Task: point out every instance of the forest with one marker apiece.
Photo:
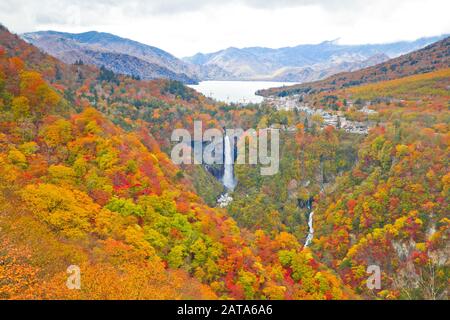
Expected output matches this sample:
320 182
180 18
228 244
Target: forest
86 179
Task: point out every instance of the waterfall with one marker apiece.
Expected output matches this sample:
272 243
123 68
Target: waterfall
228 176
311 230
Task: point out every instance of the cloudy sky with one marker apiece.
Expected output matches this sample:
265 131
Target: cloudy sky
185 27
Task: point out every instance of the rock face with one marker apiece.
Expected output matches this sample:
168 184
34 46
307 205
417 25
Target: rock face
299 64
114 53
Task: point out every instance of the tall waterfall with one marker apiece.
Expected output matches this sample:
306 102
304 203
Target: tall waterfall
228 176
310 237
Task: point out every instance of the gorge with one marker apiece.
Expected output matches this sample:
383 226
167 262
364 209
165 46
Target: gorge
87 177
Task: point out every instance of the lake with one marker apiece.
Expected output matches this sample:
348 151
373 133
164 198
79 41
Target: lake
236 91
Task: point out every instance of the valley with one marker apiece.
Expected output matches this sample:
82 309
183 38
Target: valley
87 179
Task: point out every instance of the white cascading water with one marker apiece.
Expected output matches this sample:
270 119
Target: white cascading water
228 176
310 237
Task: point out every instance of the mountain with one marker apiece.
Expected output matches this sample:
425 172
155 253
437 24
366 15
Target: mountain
84 183
321 71
304 62
117 54
433 57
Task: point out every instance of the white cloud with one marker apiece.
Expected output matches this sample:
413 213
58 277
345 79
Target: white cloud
184 27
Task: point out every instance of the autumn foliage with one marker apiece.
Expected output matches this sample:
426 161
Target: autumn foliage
80 185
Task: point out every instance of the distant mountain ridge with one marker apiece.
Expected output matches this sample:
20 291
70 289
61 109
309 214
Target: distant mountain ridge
433 57
304 62
115 53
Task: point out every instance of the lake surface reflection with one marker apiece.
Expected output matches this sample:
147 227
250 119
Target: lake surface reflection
236 91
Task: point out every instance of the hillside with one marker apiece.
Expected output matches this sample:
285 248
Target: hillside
392 207
321 71
118 54
86 180
379 199
301 63
433 57
78 189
